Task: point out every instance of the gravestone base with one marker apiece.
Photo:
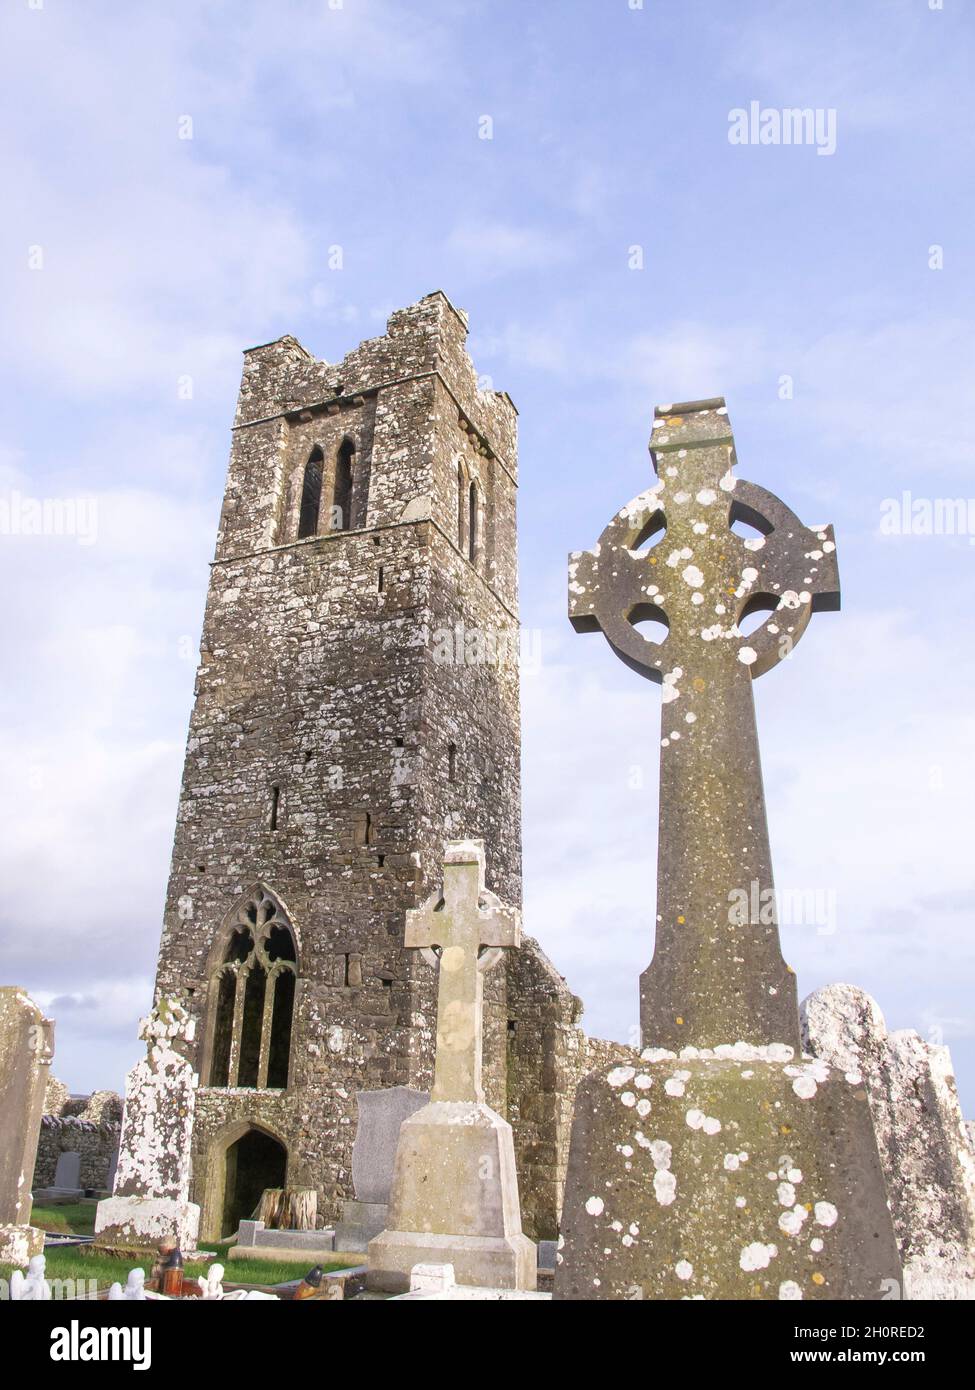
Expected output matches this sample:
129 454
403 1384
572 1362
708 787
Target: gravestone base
19 1244
454 1201
360 1223
147 1221
493 1262
736 1173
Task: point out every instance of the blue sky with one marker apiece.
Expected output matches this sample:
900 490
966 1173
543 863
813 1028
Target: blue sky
161 258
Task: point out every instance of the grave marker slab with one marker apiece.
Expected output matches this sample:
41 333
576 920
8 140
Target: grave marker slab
150 1202
26 1049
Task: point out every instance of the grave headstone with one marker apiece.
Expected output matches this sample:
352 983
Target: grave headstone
67 1174
454 1198
381 1113
26 1049
725 1165
924 1147
150 1202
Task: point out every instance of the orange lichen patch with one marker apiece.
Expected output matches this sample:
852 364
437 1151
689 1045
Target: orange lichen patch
699 683
680 1023
681 918
785 1129
819 1278
674 419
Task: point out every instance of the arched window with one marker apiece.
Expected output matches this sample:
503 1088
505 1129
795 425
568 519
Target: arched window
252 994
461 505
473 539
311 494
341 518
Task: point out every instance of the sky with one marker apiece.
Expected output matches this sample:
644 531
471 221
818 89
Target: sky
183 181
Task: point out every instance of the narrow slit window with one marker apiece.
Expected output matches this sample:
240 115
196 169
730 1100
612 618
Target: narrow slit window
341 519
311 495
380 579
452 762
473 539
275 802
461 504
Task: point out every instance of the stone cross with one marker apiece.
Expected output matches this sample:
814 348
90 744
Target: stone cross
470 927
671 558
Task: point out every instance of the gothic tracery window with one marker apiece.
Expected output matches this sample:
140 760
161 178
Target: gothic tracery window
252 994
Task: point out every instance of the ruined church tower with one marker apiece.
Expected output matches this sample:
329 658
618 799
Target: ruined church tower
356 705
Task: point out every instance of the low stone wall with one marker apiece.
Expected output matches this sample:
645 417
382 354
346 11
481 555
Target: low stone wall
86 1125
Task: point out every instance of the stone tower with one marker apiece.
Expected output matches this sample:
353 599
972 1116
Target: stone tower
356 705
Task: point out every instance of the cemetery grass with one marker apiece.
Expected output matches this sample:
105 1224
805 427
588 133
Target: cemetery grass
71 1218
74 1262
80 1262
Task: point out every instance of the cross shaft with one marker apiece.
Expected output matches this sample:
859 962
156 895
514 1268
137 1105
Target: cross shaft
461 921
714 977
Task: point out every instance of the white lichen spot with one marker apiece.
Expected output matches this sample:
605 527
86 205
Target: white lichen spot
732 1163
757 1255
786 1194
595 1206
815 1245
683 1269
620 1075
825 1214
789 1289
692 575
664 1186
747 656
805 1086
628 1098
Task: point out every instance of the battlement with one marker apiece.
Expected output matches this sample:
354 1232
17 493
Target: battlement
282 379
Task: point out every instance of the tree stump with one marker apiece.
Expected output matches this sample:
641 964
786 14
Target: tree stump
288 1208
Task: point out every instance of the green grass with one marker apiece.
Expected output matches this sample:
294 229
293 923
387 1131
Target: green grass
74 1218
79 1262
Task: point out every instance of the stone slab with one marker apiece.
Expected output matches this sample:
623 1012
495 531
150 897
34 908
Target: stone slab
141 1221
360 1222
924 1146
19 1244
725 1177
26 1049
67 1174
374 1152
256 1234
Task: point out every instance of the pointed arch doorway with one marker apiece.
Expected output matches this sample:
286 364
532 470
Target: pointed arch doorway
243 1163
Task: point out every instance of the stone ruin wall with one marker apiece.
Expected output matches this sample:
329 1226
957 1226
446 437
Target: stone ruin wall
87 1125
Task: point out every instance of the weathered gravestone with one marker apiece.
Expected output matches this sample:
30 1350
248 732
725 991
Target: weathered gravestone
67 1174
381 1113
454 1198
726 1165
26 1049
150 1203
925 1149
